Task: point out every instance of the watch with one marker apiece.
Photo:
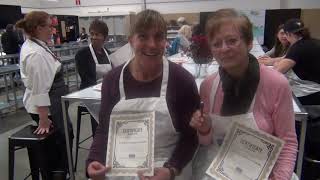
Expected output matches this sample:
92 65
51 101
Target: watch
171 169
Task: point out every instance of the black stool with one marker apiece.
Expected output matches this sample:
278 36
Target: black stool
311 164
82 110
25 138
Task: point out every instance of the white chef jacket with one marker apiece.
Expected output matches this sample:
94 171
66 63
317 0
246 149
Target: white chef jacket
38 68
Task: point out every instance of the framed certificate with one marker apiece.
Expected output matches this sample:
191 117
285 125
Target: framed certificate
131 144
246 154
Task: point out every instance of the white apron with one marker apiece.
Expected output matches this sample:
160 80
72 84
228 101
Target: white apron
220 126
101 69
166 136
301 87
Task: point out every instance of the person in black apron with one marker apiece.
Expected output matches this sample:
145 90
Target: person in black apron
93 62
42 75
302 64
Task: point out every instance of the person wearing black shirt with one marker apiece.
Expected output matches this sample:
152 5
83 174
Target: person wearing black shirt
302 63
10 41
303 59
83 35
93 61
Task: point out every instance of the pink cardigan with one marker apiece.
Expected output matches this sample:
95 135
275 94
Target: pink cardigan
273 112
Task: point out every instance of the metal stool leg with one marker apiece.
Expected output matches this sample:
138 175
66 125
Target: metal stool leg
77 137
34 163
94 125
11 160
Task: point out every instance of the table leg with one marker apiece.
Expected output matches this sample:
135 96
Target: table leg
6 86
66 132
301 146
14 91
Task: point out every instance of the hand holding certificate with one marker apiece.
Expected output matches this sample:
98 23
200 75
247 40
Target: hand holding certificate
246 154
131 144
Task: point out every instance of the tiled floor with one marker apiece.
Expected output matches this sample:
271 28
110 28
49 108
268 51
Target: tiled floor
13 122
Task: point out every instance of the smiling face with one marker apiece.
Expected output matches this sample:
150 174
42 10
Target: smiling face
229 47
148 46
97 38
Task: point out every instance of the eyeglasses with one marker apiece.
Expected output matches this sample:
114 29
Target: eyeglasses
228 42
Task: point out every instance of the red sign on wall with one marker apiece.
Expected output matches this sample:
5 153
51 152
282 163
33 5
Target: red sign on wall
77 2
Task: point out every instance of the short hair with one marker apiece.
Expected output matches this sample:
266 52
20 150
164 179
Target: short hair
32 20
147 19
100 27
9 27
296 26
224 16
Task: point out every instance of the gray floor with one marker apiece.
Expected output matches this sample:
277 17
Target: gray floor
15 121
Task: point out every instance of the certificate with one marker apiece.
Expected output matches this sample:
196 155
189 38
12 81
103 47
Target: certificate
246 154
131 144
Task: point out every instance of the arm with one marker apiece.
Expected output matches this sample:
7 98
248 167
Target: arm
270 53
205 89
284 128
42 75
187 103
284 65
98 148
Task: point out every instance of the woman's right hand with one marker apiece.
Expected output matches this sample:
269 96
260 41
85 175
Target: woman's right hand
97 171
44 126
200 122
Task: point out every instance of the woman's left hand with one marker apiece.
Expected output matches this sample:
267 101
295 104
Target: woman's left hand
161 173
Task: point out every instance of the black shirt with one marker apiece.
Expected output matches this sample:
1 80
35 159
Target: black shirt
10 42
306 54
87 67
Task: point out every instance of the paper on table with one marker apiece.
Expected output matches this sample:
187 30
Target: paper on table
295 107
97 87
122 55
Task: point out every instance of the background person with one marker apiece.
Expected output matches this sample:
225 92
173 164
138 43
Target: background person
93 62
303 58
241 92
10 41
182 41
83 35
42 75
150 80
279 49
301 65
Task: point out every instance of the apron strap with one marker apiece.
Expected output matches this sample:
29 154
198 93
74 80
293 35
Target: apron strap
93 54
46 48
121 86
164 83
165 77
214 89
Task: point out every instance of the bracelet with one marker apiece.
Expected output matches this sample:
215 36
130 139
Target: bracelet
205 133
172 174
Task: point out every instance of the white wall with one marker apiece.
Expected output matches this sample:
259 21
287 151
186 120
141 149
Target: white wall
123 7
9 2
303 4
104 7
